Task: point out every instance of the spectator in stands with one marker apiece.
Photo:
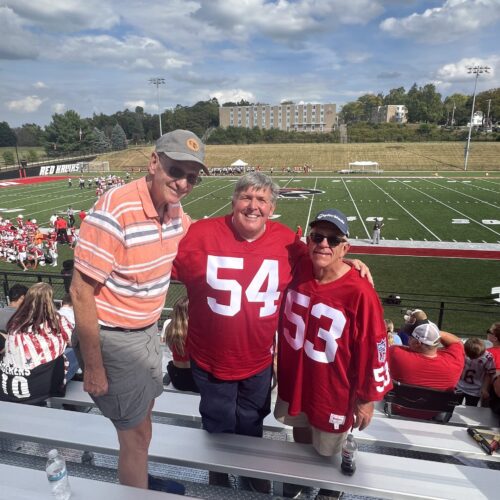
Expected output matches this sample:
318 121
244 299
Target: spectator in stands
424 364
225 263
411 317
34 366
179 368
478 372
118 301
392 337
82 214
493 334
494 396
16 297
332 344
66 309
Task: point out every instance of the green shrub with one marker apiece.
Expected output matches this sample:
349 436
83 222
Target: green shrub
8 157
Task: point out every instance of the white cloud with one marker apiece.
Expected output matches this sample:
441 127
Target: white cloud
285 19
133 104
39 85
65 15
131 52
453 21
59 107
17 43
458 71
232 95
26 105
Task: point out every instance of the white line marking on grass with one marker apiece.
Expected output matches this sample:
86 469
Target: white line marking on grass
356 208
311 204
404 209
454 209
478 200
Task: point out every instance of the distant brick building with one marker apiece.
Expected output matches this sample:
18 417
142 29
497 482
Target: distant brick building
391 113
288 117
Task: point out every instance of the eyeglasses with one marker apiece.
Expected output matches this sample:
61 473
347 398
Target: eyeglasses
333 241
177 173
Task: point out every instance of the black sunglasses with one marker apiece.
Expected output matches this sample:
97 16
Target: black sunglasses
333 241
177 173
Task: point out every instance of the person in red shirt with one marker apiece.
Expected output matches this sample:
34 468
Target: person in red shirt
432 359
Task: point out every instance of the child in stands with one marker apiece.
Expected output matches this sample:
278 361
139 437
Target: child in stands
179 369
479 368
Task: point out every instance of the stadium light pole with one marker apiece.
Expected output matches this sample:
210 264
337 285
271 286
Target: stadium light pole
158 82
476 70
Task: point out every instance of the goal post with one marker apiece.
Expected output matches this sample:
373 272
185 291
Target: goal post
98 166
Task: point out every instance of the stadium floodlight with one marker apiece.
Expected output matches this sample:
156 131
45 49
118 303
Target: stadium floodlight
476 70
158 82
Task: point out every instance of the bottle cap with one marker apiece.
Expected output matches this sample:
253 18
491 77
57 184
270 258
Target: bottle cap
53 453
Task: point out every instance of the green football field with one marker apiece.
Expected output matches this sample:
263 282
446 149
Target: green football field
426 208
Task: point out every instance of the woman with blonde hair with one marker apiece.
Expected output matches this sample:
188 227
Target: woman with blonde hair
179 369
34 366
392 338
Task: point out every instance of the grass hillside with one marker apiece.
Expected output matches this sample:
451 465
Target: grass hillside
333 157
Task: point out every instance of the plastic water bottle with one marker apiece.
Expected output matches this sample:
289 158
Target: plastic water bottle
57 475
349 449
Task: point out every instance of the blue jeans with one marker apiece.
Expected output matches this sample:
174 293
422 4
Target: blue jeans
73 363
234 406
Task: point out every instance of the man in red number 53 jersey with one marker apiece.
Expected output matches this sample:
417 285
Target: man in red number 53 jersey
332 346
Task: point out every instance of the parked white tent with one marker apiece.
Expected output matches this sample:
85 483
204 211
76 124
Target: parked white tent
239 163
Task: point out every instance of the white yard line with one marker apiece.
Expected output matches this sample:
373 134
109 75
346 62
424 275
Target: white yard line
407 211
356 208
462 193
453 209
310 206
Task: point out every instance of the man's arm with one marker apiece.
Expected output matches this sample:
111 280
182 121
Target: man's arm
82 294
448 338
363 269
363 413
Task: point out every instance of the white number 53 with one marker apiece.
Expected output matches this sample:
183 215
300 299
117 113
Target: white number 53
267 271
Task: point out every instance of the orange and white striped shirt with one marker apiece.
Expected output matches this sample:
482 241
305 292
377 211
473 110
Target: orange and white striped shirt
125 248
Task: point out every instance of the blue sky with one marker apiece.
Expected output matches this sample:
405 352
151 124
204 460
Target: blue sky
97 56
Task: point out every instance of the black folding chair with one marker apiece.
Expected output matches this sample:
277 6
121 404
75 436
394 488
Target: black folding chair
423 399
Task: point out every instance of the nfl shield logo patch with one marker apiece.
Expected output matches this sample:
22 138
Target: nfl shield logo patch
382 350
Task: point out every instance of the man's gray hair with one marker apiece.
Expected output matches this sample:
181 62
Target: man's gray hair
257 181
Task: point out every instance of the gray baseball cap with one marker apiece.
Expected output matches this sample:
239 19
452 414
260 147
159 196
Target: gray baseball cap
182 145
335 217
427 333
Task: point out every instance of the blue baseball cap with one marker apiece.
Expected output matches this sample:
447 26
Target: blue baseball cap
335 217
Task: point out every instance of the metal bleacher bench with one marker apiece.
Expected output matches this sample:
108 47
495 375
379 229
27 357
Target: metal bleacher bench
276 460
170 404
21 483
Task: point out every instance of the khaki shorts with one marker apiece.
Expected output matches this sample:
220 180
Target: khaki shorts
325 443
132 361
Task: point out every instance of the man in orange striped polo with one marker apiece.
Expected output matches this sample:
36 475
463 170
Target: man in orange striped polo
123 262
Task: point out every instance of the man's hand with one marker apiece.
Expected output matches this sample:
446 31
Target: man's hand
363 413
363 269
95 381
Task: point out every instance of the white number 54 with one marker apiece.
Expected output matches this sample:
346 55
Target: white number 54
267 271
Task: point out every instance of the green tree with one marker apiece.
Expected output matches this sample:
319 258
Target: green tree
8 157
7 136
396 96
455 106
32 156
100 143
118 138
68 134
29 134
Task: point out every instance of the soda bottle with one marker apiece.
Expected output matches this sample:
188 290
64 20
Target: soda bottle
349 449
57 475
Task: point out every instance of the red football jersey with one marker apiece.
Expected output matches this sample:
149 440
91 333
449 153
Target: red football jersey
235 289
332 348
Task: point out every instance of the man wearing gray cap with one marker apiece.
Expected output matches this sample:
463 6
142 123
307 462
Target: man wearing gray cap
332 344
123 262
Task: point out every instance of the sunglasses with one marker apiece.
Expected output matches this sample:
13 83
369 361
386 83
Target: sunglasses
177 173
333 241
